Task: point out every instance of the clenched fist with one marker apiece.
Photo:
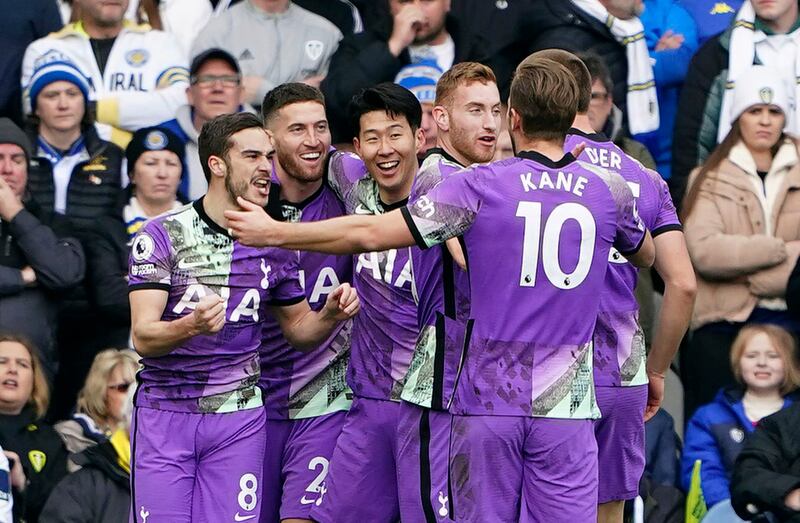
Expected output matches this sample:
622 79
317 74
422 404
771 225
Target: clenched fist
209 315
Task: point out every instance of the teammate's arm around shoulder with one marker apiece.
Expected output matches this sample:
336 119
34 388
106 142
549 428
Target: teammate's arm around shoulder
153 337
306 329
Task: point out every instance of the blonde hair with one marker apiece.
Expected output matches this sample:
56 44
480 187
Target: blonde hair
40 395
463 73
92 397
781 340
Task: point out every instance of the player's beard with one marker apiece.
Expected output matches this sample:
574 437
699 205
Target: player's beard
465 145
295 169
236 189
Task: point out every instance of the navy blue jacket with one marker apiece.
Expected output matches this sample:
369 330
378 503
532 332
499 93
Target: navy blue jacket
715 435
21 24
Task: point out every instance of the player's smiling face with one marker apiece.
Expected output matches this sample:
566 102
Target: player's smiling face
474 121
388 145
302 138
16 377
250 166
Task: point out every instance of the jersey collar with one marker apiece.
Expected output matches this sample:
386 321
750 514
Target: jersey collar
544 160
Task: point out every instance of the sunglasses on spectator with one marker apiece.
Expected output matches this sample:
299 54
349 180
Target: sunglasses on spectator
207 80
120 387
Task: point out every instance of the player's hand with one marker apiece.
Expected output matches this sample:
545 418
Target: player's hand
252 225
209 315
342 303
578 149
655 394
404 29
18 479
10 204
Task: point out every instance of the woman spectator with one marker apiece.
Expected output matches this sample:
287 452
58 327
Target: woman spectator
100 491
101 401
742 224
155 167
764 362
24 436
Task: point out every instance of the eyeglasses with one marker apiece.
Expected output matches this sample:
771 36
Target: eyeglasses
120 387
208 80
599 96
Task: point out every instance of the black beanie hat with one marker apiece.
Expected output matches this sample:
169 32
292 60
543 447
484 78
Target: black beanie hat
11 133
153 139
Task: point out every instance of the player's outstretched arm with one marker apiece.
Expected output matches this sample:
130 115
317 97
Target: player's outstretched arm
153 337
680 287
343 235
645 255
306 329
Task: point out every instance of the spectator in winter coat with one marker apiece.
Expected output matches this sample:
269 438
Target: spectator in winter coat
711 16
38 261
766 475
101 400
766 33
24 436
764 361
100 491
743 232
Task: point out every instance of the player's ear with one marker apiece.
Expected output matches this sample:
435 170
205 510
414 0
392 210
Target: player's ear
217 166
441 118
420 139
514 120
357 145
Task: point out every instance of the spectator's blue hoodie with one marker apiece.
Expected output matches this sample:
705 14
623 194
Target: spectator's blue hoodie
715 435
669 69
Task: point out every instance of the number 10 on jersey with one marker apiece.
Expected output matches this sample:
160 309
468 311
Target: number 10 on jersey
543 240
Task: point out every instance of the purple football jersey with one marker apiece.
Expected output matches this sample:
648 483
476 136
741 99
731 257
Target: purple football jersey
385 329
442 292
537 236
188 255
619 345
308 384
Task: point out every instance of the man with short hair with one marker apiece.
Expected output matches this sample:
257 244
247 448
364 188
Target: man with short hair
421 30
765 32
215 88
197 317
628 382
137 75
522 444
38 259
306 396
466 111
275 41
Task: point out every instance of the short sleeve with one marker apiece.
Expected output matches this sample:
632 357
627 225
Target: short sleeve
667 216
631 231
289 290
447 210
344 171
151 259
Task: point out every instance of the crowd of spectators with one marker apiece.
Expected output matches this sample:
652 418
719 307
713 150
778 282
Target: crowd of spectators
101 105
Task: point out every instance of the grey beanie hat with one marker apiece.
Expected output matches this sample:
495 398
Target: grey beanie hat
10 133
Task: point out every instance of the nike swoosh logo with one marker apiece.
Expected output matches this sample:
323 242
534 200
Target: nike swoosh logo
360 209
304 501
184 265
238 517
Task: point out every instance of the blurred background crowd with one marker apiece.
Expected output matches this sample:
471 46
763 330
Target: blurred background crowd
102 102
